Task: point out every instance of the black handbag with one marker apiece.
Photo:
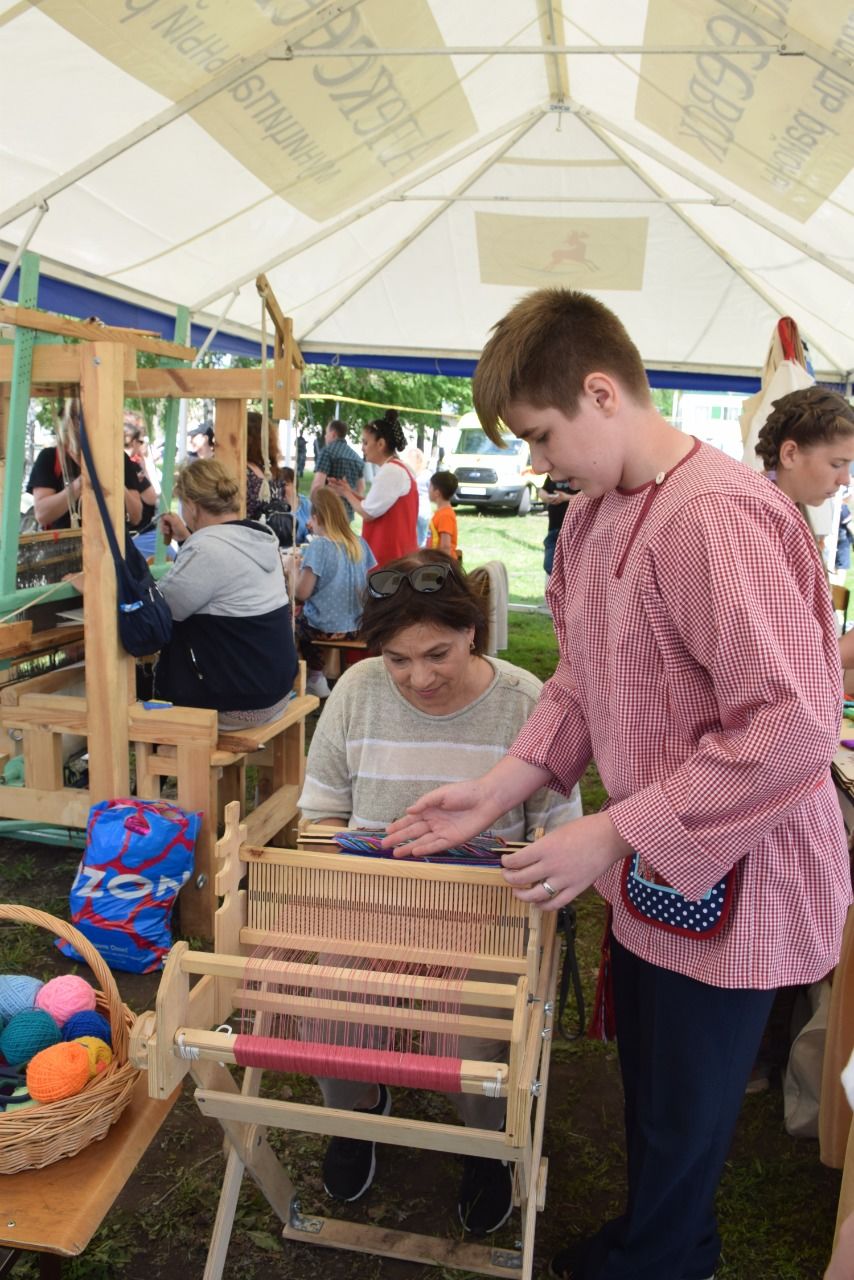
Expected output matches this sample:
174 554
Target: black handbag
277 515
145 623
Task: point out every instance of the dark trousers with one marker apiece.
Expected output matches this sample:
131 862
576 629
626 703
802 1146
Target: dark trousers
686 1051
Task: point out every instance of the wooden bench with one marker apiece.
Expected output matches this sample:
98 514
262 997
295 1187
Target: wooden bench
334 649
55 1211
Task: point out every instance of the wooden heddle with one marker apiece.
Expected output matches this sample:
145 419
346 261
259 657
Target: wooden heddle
347 942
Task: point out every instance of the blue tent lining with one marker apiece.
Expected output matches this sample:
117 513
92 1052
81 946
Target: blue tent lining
75 300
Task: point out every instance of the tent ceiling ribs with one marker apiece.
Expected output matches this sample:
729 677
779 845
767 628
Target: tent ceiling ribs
740 270
378 202
397 249
170 114
536 51
556 71
697 180
791 41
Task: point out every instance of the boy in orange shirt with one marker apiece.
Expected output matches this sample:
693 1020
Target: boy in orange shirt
443 525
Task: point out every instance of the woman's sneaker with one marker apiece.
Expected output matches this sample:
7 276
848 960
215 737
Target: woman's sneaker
350 1163
485 1199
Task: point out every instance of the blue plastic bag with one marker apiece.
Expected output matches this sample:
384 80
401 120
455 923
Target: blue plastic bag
138 855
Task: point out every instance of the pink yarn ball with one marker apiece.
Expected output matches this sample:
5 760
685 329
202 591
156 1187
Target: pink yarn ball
64 996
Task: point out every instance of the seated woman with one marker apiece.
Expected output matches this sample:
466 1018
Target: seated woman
255 467
55 481
431 707
331 583
232 644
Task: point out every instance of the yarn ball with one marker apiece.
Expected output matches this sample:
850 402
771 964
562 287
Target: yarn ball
22 1093
27 1034
88 1023
63 997
58 1072
100 1054
17 992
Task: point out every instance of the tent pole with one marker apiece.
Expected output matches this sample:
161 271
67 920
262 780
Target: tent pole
16 428
170 436
21 249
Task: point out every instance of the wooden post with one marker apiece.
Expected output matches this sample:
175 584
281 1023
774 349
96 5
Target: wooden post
109 670
231 442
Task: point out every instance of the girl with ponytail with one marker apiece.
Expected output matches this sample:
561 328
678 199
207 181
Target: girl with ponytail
390 511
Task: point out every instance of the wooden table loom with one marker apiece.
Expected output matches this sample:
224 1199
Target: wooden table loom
397 916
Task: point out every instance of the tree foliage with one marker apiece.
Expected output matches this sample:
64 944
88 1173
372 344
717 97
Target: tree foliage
405 391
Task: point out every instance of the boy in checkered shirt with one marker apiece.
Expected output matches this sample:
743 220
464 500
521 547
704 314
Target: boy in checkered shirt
699 669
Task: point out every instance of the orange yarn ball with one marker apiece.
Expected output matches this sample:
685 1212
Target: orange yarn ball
58 1072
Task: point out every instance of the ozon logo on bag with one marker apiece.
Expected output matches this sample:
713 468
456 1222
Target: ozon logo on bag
126 886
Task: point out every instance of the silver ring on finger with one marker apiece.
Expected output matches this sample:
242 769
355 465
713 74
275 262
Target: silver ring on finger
550 889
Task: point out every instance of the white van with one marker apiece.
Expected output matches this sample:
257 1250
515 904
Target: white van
489 476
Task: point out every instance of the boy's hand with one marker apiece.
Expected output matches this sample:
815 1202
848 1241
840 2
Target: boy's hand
557 868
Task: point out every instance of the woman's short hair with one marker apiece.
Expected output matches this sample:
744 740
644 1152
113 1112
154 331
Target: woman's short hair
388 430
210 485
254 454
455 605
811 416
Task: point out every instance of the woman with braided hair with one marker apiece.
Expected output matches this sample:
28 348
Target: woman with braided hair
390 511
807 447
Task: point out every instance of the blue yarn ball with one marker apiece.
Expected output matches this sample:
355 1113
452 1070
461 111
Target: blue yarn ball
88 1023
27 1034
17 992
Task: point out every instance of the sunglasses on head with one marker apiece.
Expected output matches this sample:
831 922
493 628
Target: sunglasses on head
426 579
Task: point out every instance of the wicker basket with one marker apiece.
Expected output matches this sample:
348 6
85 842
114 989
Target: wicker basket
36 1136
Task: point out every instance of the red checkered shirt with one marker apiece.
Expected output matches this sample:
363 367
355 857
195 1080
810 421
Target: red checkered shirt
702 675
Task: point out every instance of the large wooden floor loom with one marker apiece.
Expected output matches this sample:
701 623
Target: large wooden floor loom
378 951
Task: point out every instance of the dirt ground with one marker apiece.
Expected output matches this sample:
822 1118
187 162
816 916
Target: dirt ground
777 1201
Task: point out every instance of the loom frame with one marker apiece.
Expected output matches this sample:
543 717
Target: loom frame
184 1010
179 742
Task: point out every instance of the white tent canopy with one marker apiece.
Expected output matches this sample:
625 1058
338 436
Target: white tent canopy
403 170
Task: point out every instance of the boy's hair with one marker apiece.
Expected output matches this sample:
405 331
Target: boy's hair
446 483
544 348
810 416
339 427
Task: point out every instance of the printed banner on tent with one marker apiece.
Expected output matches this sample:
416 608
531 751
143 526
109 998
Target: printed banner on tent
591 253
785 138
324 132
